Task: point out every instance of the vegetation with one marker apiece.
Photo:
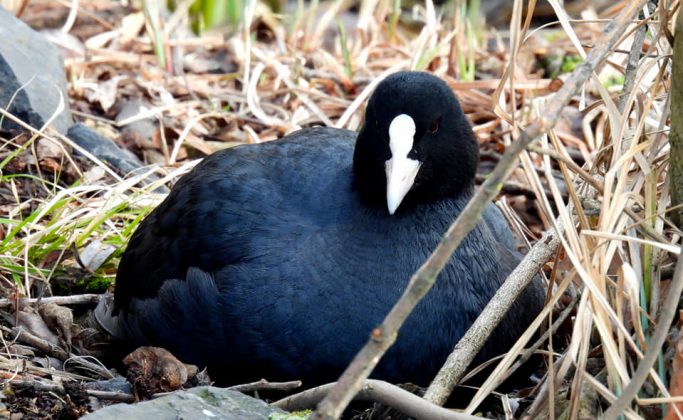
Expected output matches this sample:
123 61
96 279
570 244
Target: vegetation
602 176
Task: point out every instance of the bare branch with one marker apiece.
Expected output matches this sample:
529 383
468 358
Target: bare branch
377 391
469 345
87 299
59 389
265 385
23 336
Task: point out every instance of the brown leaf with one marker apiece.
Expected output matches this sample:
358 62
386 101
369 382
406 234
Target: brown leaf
59 319
35 324
50 165
52 258
48 149
154 369
104 93
198 143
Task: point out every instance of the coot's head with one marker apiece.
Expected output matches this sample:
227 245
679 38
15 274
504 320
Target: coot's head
415 144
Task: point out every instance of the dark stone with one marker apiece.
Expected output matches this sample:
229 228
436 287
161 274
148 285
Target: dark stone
28 59
124 161
103 148
117 384
204 402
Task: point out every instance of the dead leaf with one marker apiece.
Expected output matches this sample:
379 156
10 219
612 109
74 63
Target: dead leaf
198 143
35 324
154 369
69 44
154 157
93 175
95 254
52 258
50 165
132 25
103 93
59 319
46 148
20 350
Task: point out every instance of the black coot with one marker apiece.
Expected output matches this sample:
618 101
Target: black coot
277 260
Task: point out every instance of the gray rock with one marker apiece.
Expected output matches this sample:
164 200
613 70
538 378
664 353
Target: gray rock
27 58
103 148
124 161
204 402
117 384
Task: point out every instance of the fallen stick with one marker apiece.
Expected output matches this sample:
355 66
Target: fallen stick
265 385
50 349
377 391
88 299
59 389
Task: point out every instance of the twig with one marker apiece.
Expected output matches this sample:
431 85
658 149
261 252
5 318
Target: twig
475 337
533 349
27 338
103 395
111 395
265 385
654 347
632 64
421 282
534 411
88 299
377 391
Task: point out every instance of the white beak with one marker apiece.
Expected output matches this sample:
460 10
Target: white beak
400 169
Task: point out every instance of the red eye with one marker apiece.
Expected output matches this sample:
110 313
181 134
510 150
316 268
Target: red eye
434 127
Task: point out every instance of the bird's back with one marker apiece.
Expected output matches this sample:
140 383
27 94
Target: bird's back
231 205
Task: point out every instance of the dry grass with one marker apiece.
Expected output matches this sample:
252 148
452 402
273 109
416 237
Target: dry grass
618 247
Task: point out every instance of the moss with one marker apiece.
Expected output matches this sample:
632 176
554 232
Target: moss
553 36
208 396
295 415
569 63
554 65
613 81
96 284
70 281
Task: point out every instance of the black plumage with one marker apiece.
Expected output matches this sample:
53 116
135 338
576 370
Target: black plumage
276 260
